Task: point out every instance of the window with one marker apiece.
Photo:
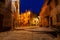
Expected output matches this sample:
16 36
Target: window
58 17
3 1
56 2
50 8
49 1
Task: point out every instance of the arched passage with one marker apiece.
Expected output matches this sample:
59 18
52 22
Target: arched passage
1 21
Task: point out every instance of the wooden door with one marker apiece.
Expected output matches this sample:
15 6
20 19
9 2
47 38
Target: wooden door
1 21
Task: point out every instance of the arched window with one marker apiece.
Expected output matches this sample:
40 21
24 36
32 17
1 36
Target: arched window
56 2
58 17
49 2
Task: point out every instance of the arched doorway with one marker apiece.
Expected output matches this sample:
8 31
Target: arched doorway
1 22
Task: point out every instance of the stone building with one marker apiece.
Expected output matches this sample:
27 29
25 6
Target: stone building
15 12
55 14
24 18
28 18
44 12
50 13
5 14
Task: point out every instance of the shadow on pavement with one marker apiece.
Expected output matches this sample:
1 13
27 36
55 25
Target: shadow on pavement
4 29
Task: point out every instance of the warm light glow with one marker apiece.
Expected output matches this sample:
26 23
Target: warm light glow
35 21
39 18
28 12
15 6
24 17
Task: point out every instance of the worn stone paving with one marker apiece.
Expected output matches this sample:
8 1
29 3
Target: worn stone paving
24 35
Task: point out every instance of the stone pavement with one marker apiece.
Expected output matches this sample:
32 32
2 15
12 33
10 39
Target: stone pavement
25 35
26 27
34 28
39 29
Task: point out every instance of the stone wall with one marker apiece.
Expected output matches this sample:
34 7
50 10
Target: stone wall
5 10
48 13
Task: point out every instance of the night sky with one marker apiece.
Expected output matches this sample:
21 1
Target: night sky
33 5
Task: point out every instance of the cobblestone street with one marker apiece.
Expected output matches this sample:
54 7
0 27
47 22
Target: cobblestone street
29 19
24 35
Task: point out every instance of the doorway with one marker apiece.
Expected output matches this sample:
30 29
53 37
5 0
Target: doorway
1 22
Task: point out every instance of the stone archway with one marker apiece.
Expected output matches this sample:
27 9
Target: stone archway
1 21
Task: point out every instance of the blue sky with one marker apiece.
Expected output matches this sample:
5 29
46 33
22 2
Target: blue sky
33 5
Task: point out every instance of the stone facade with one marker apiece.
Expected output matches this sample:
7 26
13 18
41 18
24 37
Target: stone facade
15 12
43 14
24 18
5 11
49 12
55 15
